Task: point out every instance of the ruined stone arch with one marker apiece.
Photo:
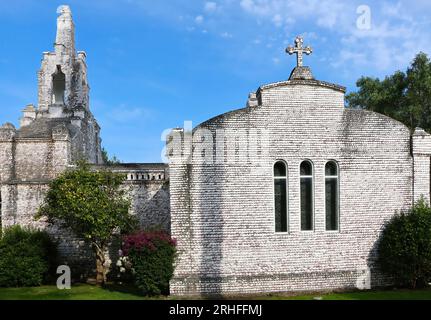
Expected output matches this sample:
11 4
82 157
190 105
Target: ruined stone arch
58 86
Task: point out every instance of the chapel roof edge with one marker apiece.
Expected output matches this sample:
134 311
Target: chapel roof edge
310 82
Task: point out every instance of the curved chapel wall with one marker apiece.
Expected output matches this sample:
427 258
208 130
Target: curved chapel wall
227 216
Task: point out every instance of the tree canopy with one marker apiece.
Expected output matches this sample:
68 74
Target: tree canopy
404 250
93 205
109 161
403 96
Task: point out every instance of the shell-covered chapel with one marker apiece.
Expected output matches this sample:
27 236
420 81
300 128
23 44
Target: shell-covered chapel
289 193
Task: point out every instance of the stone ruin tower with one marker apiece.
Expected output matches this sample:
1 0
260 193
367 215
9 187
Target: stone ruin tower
54 134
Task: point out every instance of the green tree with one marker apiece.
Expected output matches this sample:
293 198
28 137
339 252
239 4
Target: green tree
93 205
404 250
404 96
110 161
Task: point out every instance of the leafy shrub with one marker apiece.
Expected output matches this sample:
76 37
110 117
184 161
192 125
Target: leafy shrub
91 204
27 257
152 256
405 247
122 272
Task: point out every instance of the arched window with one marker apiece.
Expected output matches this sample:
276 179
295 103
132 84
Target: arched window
307 201
280 196
58 86
332 196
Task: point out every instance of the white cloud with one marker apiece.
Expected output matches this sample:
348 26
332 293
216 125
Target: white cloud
278 21
399 27
248 5
289 21
199 19
325 12
226 35
346 56
384 46
125 113
260 7
310 35
328 20
210 6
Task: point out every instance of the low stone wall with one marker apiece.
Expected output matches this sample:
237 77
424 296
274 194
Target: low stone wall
146 185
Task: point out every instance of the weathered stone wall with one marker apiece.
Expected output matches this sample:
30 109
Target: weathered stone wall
150 202
28 164
73 110
86 144
57 133
34 160
147 186
7 152
422 165
53 135
223 214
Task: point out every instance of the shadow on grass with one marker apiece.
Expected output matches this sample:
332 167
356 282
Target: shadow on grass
123 288
130 289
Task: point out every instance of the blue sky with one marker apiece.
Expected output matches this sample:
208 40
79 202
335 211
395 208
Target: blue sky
154 64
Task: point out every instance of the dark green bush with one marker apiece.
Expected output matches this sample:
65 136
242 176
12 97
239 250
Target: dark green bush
27 257
152 257
405 247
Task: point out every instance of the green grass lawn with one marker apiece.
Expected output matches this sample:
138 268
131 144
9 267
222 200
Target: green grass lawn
78 292
400 294
89 292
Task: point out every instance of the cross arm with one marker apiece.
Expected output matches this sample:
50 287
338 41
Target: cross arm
291 50
307 50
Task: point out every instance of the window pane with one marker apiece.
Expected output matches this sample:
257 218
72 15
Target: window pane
306 204
306 168
280 169
331 169
280 190
331 204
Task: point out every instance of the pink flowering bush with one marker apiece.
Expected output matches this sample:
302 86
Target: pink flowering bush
146 240
151 256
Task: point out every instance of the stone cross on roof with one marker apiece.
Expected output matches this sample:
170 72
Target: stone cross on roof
299 50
